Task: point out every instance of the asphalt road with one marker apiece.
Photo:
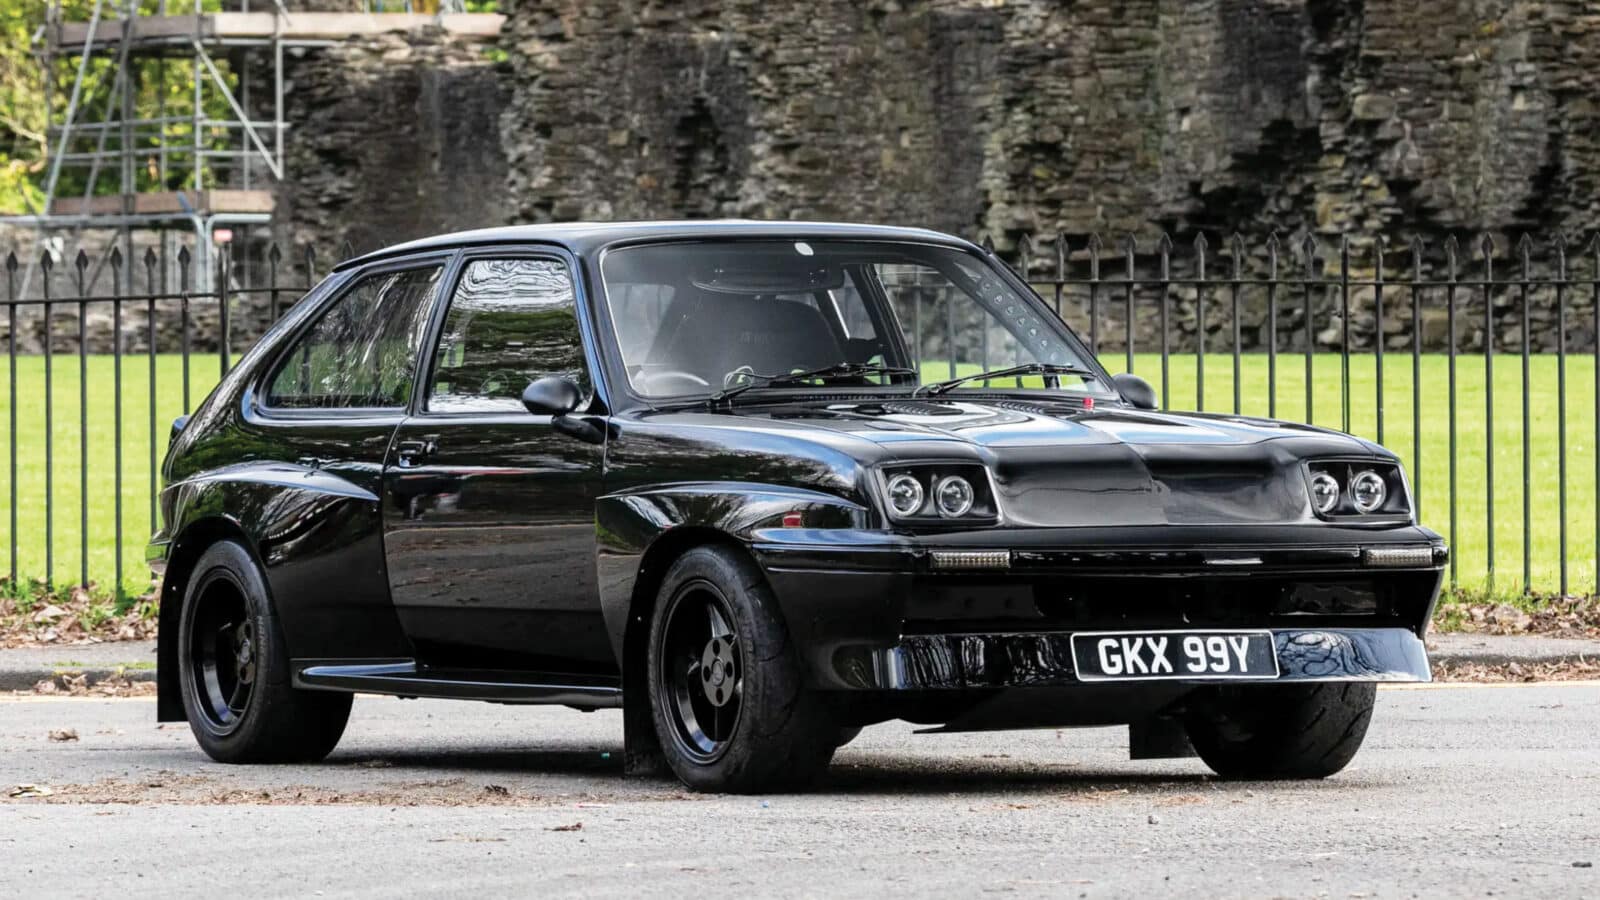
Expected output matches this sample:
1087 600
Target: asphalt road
1460 791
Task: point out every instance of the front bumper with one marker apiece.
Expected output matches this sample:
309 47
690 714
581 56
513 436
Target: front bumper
983 661
873 611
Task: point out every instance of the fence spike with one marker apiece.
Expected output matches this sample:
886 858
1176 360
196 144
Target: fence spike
1130 244
1061 257
11 261
1237 248
1486 245
116 257
1525 250
1094 244
1024 256
987 244
1308 249
274 254
1378 244
81 261
1561 255
1164 243
46 261
183 256
311 262
1451 248
149 257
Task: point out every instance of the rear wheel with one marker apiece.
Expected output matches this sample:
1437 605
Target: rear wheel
234 671
1281 731
727 693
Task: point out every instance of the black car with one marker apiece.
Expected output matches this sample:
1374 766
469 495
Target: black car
760 485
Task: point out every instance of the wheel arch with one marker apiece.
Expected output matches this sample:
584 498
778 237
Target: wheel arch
187 548
642 750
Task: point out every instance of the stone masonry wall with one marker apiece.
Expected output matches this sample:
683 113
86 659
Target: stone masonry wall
1327 117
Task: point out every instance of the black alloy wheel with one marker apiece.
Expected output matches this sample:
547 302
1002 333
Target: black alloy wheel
222 648
234 672
727 686
702 671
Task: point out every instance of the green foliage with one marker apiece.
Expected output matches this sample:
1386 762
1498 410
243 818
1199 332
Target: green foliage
27 108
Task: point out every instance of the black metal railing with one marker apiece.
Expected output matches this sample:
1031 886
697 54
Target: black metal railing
1399 346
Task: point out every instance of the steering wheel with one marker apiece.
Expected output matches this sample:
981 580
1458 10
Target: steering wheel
667 382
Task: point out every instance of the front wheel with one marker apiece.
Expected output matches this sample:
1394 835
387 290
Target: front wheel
1280 731
727 693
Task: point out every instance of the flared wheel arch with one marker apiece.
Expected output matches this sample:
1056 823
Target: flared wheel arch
187 548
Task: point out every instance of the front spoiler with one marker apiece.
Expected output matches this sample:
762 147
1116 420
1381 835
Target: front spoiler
977 661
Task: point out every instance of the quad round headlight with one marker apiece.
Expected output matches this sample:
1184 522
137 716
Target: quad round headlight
905 495
1368 491
1324 492
953 495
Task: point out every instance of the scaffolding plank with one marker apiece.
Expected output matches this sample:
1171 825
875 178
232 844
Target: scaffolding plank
174 203
257 26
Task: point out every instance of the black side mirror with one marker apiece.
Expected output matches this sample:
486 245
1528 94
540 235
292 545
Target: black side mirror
551 395
1135 390
556 397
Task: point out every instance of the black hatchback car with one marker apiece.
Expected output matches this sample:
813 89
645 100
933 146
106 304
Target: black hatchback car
760 485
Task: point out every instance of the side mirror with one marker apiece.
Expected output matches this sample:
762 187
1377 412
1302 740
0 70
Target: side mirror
551 395
1135 390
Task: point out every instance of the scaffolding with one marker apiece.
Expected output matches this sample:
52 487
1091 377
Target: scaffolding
207 163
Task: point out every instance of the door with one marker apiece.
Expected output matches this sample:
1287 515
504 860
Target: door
489 510
331 403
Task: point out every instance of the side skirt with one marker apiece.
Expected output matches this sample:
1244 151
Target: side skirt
405 678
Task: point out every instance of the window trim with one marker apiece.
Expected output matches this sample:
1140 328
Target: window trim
260 389
582 311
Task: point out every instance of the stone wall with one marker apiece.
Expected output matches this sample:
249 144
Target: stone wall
1382 117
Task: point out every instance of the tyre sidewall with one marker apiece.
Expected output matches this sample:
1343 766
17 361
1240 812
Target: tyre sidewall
772 692
229 561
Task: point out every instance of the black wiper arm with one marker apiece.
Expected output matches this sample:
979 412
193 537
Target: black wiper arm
1024 369
756 379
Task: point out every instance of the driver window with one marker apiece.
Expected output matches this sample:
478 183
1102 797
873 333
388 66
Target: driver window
510 322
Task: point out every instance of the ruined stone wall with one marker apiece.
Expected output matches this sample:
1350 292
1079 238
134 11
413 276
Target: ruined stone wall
1328 117
394 137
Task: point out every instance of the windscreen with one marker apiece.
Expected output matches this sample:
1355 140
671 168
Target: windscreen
693 318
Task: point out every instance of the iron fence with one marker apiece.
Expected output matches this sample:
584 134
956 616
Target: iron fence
1399 346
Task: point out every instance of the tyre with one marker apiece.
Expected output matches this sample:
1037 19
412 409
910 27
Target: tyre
234 670
727 692
1281 731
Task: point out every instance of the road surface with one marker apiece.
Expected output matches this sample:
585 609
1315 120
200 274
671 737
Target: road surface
1460 791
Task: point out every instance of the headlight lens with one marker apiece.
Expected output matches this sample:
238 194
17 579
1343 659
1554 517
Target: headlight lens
1324 492
953 496
905 495
1367 491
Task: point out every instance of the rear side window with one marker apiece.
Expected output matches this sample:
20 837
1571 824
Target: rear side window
511 321
362 352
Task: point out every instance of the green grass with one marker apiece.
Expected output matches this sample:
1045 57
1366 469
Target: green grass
31 440
1470 539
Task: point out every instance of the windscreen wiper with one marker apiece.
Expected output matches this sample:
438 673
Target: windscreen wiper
837 370
1024 369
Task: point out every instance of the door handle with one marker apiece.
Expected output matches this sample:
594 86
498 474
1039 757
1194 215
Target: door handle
409 452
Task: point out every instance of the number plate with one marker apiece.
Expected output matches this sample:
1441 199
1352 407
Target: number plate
1148 655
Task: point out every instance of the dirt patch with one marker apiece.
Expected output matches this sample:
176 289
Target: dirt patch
200 790
1566 670
32 616
79 685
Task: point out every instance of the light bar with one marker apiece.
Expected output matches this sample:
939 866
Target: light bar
971 559
1399 557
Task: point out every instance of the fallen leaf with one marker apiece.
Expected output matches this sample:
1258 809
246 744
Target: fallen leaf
31 790
60 735
575 826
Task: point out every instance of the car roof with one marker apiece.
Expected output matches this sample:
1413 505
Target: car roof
584 238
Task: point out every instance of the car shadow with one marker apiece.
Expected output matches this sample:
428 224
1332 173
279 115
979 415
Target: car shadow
861 773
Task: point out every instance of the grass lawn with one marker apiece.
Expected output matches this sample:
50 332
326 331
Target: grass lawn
1431 478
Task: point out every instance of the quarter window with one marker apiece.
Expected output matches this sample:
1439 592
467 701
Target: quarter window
362 352
511 321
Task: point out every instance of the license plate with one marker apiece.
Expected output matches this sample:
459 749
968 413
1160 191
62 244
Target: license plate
1146 655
